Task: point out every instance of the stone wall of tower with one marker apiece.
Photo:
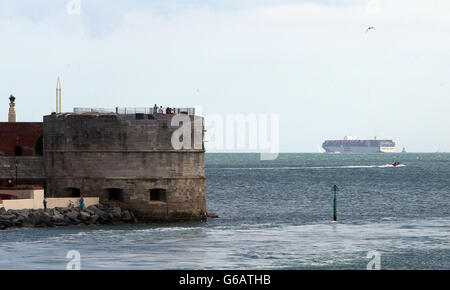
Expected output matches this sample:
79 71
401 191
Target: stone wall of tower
122 160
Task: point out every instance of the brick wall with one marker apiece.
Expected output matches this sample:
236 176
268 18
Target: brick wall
23 135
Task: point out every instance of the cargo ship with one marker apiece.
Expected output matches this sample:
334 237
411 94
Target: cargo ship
351 144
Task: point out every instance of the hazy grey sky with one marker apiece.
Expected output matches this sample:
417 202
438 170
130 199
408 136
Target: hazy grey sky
310 61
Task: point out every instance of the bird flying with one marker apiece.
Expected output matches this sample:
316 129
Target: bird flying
370 27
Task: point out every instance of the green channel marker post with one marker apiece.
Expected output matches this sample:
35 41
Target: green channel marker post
335 189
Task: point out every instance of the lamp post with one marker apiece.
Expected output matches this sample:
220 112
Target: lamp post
16 163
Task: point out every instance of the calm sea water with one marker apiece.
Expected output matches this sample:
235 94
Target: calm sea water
275 215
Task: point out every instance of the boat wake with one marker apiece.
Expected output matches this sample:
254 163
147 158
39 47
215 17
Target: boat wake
390 165
309 167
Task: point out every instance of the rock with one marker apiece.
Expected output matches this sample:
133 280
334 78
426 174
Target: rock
44 218
67 220
94 219
84 216
212 215
7 217
19 217
75 209
56 215
117 210
92 207
22 212
98 211
101 206
104 218
59 221
73 216
133 217
6 221
33 218
126 216
62 216
19 221
61 210
88 211
116 217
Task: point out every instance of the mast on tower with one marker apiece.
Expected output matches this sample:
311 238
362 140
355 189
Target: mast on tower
58 96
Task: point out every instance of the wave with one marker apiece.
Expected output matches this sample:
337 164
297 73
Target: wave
307 167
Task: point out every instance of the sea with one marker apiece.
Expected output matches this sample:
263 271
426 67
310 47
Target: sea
274 214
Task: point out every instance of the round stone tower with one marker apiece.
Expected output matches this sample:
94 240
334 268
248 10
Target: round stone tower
128 161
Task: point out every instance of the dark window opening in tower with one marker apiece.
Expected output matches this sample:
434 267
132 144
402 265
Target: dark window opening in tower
18 151
158 194
73 192
114 193
39 147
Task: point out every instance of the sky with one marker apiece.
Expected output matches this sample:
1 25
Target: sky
311 62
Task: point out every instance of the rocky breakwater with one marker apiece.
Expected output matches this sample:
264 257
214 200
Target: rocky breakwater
65 216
